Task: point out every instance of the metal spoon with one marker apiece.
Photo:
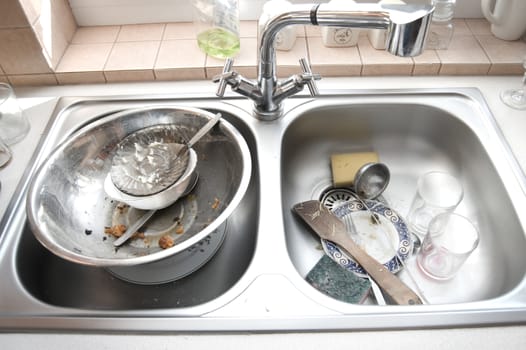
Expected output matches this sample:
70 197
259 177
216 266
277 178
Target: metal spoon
130 231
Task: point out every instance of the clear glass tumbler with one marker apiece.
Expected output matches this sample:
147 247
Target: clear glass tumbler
437 192
450 240
14 125
516 98
5 154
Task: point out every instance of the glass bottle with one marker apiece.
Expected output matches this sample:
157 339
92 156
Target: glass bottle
217 24
441 30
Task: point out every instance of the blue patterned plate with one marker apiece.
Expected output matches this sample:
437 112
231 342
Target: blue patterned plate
378 239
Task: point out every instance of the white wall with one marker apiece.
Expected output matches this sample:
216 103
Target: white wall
103 12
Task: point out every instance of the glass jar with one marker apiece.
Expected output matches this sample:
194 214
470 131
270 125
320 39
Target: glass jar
441 29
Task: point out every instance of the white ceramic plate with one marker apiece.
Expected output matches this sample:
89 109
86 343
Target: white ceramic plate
378 240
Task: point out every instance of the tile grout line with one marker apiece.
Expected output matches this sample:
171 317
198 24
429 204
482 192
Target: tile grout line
109 55
491 63
361 60
158 51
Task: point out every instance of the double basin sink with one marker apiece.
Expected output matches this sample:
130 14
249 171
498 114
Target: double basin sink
256 280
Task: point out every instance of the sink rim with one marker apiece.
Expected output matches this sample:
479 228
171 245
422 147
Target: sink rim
225 313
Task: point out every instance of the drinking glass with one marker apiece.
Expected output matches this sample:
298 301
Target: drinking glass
516 98
14 125
437 192
449 241
5 154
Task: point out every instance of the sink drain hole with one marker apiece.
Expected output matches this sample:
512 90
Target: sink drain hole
334 197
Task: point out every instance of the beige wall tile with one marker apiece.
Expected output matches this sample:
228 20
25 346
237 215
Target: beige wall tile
427 63
464 56
180 74
388 69
180 54
3 79
464 69
312 31
129 75
329 61
54 29
248 54
12 15
479 26
63 19
32 79
84 58
180 60
53 42
214 66
288 61
505 69
245 63
301 31
460 27
141 32
21 52
81 78
380 62
248 29
247 72
92 35
32 9
133 56
505 56
184 30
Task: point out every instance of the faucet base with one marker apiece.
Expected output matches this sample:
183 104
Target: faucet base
267 116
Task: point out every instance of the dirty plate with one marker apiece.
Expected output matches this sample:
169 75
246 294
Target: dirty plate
378 239
176 266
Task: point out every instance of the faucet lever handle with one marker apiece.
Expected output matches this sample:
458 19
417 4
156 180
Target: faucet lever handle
309 77
222 78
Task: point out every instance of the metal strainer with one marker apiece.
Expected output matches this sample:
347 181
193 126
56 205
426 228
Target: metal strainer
152 159
146 161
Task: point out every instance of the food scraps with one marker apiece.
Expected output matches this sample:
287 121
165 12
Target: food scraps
118 230
115 230
216 203
166 242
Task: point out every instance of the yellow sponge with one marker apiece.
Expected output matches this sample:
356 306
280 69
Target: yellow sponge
344 166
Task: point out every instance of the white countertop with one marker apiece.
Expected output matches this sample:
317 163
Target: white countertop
38 104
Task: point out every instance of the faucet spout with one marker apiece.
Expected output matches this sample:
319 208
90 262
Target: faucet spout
406 25
408 29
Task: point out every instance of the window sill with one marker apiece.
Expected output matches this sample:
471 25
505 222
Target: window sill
149 52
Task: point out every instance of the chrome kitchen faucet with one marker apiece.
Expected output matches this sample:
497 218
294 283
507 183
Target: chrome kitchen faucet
406 25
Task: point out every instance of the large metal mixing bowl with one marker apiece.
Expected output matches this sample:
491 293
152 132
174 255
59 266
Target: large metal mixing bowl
68 209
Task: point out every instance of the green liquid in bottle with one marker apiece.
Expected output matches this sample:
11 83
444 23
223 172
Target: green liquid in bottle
218 42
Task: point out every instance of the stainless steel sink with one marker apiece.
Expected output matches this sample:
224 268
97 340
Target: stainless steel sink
256 281
412 136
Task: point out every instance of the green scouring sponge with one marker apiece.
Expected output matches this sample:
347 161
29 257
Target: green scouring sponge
335 281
